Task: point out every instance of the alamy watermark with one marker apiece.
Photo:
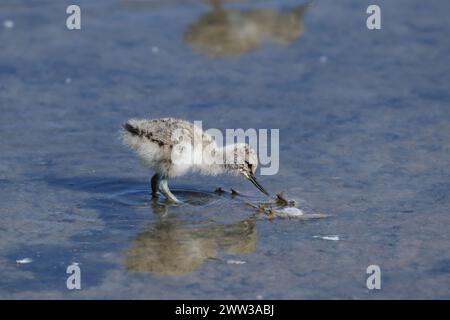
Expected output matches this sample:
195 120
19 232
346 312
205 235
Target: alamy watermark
373 22
73 21
238 146
374 280
74 280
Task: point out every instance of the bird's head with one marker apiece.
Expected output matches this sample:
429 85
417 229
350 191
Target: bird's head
242 159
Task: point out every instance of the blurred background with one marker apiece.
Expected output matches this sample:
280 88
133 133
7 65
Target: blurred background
364 119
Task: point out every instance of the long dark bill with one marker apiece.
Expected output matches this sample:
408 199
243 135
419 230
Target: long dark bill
252 179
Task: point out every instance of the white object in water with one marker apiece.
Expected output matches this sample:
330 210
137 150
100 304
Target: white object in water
235 262
330 238
173 147
8 24
292 211
24 261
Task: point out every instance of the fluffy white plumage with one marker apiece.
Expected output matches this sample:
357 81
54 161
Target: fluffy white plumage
173 147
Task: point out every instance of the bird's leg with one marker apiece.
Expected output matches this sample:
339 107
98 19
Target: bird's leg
164 188
156 180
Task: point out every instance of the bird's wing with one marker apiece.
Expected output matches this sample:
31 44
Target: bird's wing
167 131
149 130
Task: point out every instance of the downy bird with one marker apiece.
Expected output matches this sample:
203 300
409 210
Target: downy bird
173 147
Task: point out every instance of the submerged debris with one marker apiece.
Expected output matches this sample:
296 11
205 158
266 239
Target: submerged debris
279 207
219 191
282 201
291 211
283 208
234 192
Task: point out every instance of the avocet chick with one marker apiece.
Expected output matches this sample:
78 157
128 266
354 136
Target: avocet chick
174 147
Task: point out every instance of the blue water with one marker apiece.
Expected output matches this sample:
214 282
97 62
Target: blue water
364 119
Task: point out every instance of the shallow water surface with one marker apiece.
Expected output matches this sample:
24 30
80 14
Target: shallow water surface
364 119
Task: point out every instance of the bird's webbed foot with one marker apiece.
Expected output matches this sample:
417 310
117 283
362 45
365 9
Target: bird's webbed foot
164 188
160 185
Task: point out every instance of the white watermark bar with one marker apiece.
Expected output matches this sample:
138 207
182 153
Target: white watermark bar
212 148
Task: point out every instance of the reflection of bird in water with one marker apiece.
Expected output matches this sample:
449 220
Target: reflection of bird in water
230 32
172 247
173 147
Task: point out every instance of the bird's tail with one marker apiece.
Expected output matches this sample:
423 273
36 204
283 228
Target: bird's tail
132 129
131 135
